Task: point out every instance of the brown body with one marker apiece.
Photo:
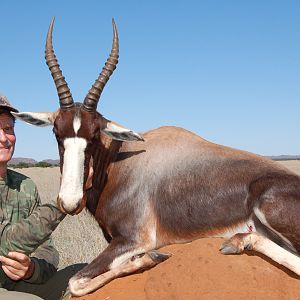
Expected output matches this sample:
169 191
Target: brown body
169 186
190 187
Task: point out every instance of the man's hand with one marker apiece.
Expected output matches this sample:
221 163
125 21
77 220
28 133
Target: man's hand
17 265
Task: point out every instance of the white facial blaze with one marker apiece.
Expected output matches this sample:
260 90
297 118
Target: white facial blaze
76 124
71 190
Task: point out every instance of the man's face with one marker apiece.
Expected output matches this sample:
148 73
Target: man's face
7 137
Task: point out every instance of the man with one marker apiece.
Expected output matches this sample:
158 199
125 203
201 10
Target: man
27 256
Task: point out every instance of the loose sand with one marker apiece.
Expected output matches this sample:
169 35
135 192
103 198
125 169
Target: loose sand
196 270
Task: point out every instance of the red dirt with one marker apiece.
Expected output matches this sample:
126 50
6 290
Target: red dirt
199 271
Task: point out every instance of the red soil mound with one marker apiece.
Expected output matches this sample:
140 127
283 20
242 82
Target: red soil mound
199 271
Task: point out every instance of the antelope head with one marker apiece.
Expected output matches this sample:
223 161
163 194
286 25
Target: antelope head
78 128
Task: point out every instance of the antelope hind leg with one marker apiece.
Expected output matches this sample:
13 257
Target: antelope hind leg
254 241
236 244
135 263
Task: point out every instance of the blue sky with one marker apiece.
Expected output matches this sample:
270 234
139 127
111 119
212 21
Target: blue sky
227 70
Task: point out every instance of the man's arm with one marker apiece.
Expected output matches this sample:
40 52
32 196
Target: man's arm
45 259
27 234
20 239
31 232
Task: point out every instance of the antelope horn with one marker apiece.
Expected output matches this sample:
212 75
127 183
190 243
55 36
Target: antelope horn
64 94
93 96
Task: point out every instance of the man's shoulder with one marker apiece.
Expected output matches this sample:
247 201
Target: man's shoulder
19 181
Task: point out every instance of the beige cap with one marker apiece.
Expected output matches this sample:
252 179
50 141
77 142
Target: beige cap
4 103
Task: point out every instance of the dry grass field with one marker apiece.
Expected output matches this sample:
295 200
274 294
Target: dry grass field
78 238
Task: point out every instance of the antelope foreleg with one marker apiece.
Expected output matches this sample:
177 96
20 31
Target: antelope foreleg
83 286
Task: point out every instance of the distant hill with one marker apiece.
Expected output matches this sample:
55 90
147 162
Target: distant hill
285 157
17 160
55 162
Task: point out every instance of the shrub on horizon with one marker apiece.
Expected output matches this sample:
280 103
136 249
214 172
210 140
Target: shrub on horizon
40 164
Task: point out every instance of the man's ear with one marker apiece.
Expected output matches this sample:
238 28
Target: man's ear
118 132
37 118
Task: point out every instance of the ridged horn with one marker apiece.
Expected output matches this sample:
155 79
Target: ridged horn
64 93
93 96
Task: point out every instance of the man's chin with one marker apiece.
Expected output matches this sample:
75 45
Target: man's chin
5 157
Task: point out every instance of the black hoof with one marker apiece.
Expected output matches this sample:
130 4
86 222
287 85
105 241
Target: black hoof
157 256
228 248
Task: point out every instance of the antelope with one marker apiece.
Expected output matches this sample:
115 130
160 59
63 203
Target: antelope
164 186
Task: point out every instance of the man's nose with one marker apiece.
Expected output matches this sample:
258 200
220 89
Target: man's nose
3 137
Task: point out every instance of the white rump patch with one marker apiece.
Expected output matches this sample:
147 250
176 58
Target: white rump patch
71 189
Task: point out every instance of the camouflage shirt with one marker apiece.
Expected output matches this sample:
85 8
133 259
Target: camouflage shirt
26 225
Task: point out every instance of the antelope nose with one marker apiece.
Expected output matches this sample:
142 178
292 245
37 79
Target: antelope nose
67 209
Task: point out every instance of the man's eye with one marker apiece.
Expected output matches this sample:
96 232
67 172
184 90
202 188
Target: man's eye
8 129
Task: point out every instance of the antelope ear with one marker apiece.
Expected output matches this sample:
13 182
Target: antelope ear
118 132
37 118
